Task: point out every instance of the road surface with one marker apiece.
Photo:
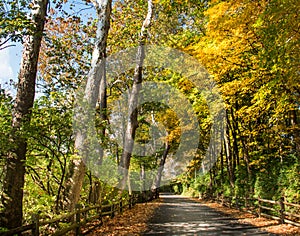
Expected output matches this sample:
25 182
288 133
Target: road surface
183 216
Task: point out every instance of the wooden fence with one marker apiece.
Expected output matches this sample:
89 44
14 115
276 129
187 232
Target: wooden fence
281 210
80 217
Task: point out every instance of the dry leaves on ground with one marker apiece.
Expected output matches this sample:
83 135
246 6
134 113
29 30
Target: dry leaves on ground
131 222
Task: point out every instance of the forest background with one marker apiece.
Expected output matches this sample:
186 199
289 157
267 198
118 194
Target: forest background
251 48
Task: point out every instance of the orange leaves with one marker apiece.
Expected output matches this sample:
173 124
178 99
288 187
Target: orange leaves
171 123
131 222
65 51
63 25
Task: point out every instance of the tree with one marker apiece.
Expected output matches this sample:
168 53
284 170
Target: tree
132 121
15 163
173 23
91 94
251 49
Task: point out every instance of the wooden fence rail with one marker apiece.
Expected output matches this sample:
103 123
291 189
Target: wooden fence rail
78 218
281 210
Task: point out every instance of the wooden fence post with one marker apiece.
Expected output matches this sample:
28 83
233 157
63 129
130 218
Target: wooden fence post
236 202
230 201
112 208
36 222
77 219
120 206
282 209
259 208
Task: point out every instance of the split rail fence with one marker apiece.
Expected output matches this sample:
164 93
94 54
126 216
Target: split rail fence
280 210
79 218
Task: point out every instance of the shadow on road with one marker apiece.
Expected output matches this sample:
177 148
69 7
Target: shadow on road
182 216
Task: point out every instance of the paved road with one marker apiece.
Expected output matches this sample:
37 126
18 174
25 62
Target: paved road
182 216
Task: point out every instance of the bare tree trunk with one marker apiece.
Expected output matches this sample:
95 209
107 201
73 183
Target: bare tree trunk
156 183
143 177
132 123
129 185
231 163
12 195
295 129
227 152
222 164
91 95
103 113
234 129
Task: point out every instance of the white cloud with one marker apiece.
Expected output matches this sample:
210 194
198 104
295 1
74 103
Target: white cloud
6 70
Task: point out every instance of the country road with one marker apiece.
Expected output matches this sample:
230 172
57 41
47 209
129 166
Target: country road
183 216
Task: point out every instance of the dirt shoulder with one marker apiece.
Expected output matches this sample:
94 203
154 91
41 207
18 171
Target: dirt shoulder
131 222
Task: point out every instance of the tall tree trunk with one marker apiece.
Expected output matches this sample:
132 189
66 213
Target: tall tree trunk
234 129
12 195
246 157
132 123
295 129
91 95
103 113
143 177
104 120
222 164
231 156
227 152
157 180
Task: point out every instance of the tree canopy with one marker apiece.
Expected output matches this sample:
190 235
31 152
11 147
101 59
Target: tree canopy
249 50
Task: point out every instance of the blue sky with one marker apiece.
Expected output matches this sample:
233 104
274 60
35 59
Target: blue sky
6 69
10 59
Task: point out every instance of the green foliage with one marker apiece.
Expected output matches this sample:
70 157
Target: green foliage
14 21
6 103
242 182
289 179
37 200
265 185
201 183
251 49
50 148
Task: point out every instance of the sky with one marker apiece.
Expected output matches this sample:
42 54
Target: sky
6 70
10 59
